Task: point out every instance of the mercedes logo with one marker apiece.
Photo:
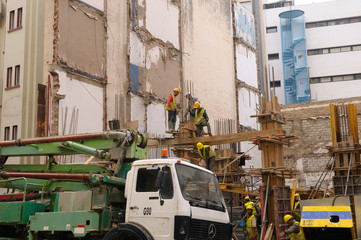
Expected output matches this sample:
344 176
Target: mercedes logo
212 231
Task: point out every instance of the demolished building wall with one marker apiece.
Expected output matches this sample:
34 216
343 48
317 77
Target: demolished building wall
248 93
79 66
155 62
311 123
208 56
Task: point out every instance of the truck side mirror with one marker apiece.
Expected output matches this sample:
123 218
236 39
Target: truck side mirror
162 178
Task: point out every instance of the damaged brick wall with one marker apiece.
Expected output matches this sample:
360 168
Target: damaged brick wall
311 123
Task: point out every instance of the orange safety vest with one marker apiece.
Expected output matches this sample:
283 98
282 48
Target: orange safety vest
173 104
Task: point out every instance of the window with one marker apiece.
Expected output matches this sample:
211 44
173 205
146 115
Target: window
273 56
275 83
11 20
20 17
333 22
335 50
348 77
345 49
325 79
147 178
337 78
356 48
15 132
315 80
7 134
9 77
17 75
271 29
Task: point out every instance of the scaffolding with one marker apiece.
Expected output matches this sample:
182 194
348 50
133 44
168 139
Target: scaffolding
294 57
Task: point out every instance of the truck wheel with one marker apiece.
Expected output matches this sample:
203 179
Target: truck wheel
128 231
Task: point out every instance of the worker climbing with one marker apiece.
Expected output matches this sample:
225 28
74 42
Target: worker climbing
171 107
207 154
201 119
251 223
294 231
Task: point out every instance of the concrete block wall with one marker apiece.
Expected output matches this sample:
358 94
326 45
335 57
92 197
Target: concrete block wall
311 123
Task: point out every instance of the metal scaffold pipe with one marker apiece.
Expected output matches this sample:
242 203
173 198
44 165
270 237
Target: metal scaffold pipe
45 175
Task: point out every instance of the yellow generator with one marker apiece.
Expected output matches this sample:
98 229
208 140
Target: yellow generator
327 222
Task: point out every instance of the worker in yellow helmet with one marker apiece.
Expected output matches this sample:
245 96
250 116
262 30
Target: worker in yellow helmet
251 224
207 154
294 231
171 107
201 119
296 207
248 202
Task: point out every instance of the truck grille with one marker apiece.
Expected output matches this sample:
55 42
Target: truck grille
199 229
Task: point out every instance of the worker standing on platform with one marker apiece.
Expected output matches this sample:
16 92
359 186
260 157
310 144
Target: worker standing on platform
294 231
201 119
171 107
251 224
297 207
207 154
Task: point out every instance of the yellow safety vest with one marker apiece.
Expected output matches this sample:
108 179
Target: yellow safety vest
299 235
295 209
251 230
199 117
203 156
173 104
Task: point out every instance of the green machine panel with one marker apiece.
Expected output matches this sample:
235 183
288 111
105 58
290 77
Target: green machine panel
18 212
79 223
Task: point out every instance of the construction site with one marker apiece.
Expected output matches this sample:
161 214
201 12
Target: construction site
180 119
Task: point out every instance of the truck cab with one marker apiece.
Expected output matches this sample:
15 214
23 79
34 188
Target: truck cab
185 203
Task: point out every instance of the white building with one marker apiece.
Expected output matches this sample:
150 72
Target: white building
333 43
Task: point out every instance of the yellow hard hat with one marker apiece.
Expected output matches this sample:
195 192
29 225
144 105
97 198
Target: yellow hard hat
250 207
196 105
199 145
176 90
297 195
246 198
287 217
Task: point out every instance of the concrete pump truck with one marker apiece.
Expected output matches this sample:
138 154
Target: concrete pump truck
133 199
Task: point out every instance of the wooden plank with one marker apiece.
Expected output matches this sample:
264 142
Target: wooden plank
214 140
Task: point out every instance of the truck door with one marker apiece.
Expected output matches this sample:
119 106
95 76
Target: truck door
147 206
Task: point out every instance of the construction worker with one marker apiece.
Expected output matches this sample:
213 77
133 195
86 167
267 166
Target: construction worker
294 231
201 119
296 206
171 107
207 154
248 202
251 224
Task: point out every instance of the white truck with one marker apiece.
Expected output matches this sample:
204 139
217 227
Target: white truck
188 205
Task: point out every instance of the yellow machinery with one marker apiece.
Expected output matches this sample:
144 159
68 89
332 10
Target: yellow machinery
327 222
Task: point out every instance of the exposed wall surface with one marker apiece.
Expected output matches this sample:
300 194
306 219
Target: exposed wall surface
117 66
208 55
311 123
246 66
82 38
165 25
248 104
81 109
155 61
98 4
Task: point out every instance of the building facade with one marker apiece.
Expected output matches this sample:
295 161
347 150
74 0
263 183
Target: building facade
70 66
333 46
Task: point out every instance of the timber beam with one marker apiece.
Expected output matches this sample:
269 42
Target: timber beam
215 140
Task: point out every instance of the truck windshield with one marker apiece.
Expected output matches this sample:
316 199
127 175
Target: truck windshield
200 188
